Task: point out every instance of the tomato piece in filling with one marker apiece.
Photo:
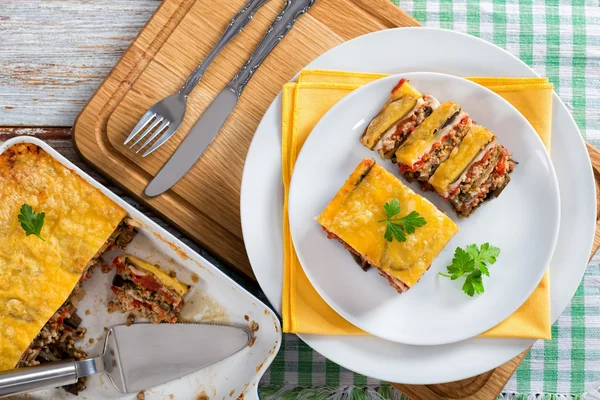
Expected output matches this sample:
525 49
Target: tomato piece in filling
399 85
146 281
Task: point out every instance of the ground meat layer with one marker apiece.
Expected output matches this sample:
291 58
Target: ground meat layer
57 339
439 153
402 129
143 295
396 283
485 181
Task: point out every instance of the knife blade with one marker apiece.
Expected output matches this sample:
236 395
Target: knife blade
211 121
197 140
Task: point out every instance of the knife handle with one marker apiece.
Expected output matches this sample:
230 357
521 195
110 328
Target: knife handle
292 10
55 374
238 22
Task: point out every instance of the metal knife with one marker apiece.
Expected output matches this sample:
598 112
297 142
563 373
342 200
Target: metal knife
136 357
211 121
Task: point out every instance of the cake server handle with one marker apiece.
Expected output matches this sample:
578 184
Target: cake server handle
49 375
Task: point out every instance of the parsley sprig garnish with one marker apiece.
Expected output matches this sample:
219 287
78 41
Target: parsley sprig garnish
400 227
472 263
31 222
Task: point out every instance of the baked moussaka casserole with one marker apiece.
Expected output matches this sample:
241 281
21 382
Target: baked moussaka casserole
404 111
432 141
146 291
386 225
476 171
423 137
53 227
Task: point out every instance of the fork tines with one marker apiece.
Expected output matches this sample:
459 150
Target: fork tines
150 121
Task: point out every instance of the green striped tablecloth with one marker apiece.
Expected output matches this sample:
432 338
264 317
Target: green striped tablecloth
561 40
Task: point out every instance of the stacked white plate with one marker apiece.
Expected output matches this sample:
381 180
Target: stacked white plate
545 217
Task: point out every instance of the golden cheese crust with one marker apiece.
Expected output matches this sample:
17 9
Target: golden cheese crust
353 216
37 276
402 100
422 138
387 117
461 157
159 274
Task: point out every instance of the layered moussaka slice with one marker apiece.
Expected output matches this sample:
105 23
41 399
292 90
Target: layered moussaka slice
146 291
478 170
357 218
403 112
41 272
432 142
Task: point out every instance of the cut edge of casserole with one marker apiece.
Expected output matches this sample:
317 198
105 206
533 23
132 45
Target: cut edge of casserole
146 291
58 338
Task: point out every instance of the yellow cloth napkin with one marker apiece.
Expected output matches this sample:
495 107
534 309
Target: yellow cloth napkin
303 104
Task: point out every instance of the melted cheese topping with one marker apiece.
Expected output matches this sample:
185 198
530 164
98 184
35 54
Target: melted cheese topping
419 141
162 277
390 132
387 117
404 90
353 216
37 276
461 157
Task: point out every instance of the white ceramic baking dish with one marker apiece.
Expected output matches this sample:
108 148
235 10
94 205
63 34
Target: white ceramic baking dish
214 298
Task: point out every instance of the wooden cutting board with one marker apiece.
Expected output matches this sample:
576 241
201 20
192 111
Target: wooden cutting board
205 203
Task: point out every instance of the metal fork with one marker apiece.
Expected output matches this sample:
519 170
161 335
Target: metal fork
169 112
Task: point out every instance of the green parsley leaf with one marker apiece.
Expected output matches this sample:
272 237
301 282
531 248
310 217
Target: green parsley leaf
473 283
473 250
468 288
488 254
31 222
398 228
472 263
462 264
392 208
477 282
483 268
394 231
411 221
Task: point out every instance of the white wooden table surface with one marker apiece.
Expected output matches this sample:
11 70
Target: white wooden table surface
53 56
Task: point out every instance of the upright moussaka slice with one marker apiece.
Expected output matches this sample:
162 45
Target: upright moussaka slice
356 217
146 291
475 172
40 276
404 111
432 141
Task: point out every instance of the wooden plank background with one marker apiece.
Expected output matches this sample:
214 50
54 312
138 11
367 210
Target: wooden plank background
54 53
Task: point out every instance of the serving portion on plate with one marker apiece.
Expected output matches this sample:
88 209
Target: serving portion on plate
409 244
78 260
435 311
441 147
262 205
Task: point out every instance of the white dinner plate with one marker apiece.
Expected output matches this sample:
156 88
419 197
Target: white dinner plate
435 50
435 311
